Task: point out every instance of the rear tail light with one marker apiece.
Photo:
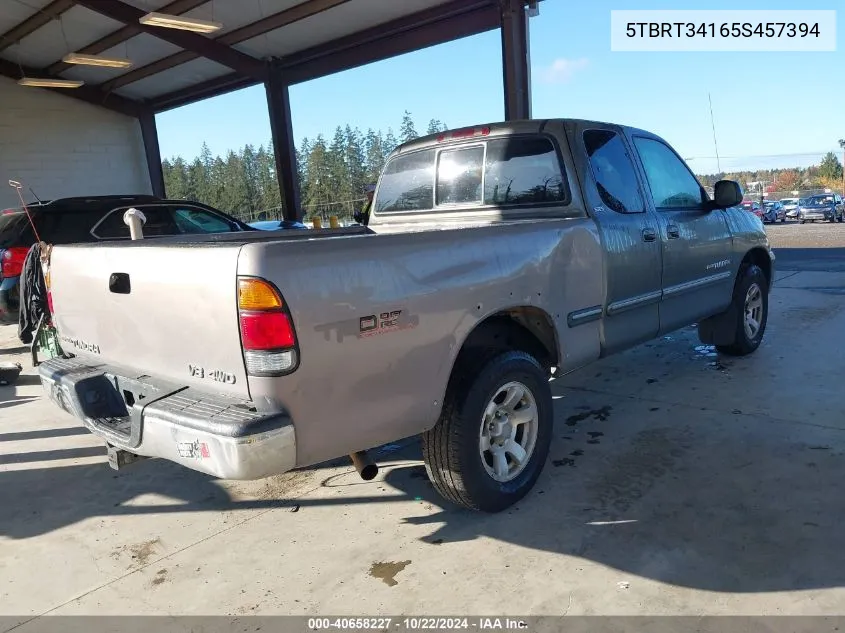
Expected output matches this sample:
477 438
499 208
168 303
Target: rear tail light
268 337
12 261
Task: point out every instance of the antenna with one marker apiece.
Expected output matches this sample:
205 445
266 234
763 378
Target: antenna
713 125
35 194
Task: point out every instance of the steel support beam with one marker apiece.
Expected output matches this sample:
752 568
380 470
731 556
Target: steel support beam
442 24
284 147
516 60
265 25
85 93
149 133
202 46
177 7
38 19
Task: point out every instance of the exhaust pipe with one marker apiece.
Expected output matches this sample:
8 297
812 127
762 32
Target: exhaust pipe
364 464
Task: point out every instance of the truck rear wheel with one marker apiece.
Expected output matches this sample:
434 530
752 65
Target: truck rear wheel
492 439
751 306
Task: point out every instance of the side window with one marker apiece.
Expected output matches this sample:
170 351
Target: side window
195 220
614 172
523 170
68 226
159 222
672 184
459 175
407 183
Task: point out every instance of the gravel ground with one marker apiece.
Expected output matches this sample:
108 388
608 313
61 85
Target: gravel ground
817 235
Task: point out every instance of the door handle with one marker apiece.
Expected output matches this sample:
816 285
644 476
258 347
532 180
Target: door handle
673 232
649 235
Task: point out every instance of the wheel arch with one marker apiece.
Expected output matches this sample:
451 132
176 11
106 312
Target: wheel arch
525 328
758 256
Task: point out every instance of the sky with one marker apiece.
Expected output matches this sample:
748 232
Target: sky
770 109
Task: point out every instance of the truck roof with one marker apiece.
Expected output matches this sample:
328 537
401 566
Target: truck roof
500 128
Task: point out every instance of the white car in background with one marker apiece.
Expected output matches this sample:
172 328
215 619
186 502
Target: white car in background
790 205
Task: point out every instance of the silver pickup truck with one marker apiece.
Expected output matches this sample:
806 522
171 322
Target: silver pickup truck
494 257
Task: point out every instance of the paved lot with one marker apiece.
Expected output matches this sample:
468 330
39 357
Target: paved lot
679 482
817 247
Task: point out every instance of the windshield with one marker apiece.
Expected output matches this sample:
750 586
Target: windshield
819 201
789 201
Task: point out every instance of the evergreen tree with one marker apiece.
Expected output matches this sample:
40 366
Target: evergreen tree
435 126
407 131
830 169
375 155
390 142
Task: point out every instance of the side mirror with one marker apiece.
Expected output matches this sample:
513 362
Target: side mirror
726 193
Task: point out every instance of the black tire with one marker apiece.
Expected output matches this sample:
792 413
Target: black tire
783 220
749 275
800 221
451 449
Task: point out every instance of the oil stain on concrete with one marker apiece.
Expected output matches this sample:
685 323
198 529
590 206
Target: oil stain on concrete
387 571
140 552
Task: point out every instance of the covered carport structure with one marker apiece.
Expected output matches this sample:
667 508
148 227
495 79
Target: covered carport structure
277 43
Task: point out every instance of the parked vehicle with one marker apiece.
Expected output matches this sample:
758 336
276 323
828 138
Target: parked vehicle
277 225
94 219
773 211
824 206
753 207
494 257
790 205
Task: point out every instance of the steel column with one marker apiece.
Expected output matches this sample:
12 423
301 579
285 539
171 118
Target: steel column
516 60
149 133
284 148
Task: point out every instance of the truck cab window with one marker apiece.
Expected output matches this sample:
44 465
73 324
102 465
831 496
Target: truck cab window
613 171
672 184
523 170
407 183
459 175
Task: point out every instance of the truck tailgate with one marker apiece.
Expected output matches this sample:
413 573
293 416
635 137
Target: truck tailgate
164 311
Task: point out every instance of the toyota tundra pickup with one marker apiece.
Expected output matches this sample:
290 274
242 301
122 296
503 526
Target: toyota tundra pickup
494 257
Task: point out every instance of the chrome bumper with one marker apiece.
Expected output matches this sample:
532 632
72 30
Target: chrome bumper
223 437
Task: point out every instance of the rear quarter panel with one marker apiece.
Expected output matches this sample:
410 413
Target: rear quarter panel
353 392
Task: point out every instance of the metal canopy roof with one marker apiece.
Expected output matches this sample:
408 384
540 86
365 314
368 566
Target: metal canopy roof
308 38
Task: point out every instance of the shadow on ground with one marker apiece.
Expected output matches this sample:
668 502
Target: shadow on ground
667 506
819 259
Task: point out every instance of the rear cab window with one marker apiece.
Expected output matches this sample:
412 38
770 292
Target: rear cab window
613 171
519 170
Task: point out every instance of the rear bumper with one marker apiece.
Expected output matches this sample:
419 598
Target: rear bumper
220 436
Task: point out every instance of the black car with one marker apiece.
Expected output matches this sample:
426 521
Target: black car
95 219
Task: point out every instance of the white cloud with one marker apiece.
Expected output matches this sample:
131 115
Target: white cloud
562 70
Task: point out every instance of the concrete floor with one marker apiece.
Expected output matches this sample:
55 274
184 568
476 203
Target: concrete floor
678 483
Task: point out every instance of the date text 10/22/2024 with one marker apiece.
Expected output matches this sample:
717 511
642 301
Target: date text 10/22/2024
417 624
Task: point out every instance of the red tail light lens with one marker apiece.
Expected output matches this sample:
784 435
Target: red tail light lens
268 337
266 331
12 261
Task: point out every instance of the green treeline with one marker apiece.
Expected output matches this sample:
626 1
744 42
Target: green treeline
332 173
